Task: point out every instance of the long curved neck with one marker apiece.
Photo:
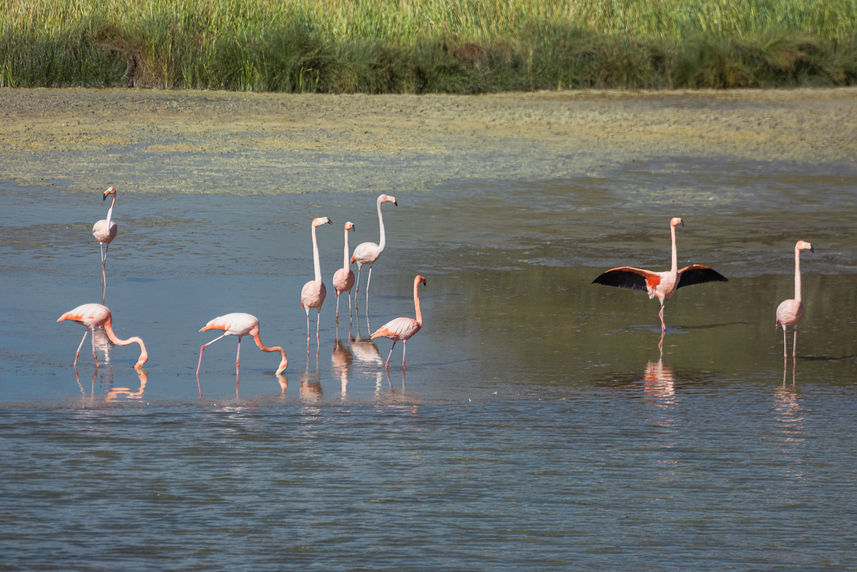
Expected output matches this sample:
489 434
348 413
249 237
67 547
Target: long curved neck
417 302
283 363
797 274
382 241
315 262
111 335
345 260
674 261
110 210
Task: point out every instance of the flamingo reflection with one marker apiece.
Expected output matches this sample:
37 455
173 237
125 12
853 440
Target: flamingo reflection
342 358
659 382
310 389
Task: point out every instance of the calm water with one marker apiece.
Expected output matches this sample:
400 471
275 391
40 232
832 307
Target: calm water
537 426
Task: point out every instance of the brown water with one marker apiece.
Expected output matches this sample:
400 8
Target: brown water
538 424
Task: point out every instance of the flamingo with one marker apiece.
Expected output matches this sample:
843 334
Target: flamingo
93 315
789 312
343 278
369 252
240 324
660 284
104 232
402 329
314 291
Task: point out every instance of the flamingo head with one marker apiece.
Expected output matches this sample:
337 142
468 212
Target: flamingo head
420 279
387 199
675 221
284 363
111 190
320 221
349 225
804 245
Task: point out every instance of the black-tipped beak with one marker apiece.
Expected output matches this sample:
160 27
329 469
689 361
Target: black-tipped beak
103 197
812 249
396 203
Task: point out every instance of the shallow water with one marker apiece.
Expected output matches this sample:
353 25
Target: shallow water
538 424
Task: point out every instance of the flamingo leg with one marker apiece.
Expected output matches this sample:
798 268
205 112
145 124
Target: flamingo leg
368 280
237 359
337 306
404 353
307 330
357 285
80 345
199 363
661 316
103 271
794 344
317 324
785 345
387 363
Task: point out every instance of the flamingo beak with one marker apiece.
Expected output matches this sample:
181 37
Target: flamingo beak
812 249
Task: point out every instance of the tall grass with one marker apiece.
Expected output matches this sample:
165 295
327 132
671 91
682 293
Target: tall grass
427 45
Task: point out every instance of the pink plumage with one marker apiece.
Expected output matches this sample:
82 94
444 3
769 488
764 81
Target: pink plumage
403 328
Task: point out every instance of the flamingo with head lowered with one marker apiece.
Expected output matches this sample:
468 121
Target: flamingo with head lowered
402 329
240 324
314 291
343 278
790 312
369 252
661 285
104 232
93 315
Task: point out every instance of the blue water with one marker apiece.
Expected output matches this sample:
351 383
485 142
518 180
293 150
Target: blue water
537 426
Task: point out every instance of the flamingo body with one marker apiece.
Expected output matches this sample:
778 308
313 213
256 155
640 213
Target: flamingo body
105 231
403 328
94 315
314 291
660 285
240 324
367 253
789 312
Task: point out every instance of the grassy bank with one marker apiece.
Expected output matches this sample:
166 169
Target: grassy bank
458 46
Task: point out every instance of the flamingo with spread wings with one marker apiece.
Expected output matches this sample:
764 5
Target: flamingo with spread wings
660 285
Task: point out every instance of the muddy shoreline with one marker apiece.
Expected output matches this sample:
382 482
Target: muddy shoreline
191 141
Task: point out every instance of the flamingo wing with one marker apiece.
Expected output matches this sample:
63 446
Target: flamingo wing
397 329
365 253
629 277
697 274
236 323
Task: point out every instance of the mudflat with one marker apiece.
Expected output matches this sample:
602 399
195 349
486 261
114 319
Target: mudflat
200 141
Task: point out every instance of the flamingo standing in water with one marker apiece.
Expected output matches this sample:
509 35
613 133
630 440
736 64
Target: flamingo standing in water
240 324
93 315
369 252
660 284
789 312
402 329
104 232
314 291
343 278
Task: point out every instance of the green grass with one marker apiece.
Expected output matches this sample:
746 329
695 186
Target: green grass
419 46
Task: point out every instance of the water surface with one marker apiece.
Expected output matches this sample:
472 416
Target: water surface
538 423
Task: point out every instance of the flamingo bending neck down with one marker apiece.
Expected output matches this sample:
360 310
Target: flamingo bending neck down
660 284
402 329
314 291
790 312
343 278
104 232
240 324
369 252
92 315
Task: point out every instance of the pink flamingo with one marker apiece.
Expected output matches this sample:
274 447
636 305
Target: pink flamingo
369 252
240 324
789 312
314 291
660 284
93 315
104 232
402 329
343 278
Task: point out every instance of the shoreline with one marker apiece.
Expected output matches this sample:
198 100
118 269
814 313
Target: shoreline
201 141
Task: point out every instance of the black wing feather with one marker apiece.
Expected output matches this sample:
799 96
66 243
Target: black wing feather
623 277
697 274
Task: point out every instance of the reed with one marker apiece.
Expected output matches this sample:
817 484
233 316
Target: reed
455 46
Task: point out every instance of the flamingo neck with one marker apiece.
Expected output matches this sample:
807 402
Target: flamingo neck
382 240
110 210
797 274
346 264
315 262
417 302
674 261
111 335
283 363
